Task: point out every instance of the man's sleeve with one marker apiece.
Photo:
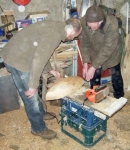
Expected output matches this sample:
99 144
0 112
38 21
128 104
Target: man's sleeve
84 43
44 50
110 43
40 60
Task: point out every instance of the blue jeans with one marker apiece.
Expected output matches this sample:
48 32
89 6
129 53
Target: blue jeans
33 106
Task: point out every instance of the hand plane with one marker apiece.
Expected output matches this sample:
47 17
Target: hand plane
97 94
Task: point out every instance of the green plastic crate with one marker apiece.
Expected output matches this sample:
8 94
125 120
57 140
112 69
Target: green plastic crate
80 123
83 135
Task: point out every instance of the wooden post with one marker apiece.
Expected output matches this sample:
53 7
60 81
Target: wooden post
126 65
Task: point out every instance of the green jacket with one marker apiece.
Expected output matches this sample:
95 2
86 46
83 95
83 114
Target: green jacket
101 47
30 49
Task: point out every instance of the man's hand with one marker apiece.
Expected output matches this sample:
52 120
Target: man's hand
55 73
30 93
90 73
85 70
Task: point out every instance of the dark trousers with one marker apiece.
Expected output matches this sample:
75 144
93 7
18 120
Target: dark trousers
116 77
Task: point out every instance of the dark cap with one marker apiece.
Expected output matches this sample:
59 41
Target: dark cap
94 14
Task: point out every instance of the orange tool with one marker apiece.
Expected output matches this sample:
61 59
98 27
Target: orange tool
97 94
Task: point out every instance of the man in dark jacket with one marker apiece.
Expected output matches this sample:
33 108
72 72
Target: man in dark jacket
26 56
101 46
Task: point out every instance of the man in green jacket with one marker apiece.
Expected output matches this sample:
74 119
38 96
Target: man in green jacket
27 55
101 46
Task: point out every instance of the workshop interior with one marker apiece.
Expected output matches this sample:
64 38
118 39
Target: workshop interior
83 116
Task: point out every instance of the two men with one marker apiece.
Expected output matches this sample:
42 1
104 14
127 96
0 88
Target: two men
27 55
101 46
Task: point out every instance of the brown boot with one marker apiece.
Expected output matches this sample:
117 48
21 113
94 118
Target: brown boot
46 134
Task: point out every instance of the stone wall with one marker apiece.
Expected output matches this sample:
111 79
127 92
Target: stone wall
55 8
120 6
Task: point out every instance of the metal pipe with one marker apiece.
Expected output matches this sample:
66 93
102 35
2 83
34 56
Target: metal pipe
127 18
84 6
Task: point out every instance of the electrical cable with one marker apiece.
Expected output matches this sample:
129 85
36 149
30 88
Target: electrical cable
47 111
58 121
7 21
64 116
